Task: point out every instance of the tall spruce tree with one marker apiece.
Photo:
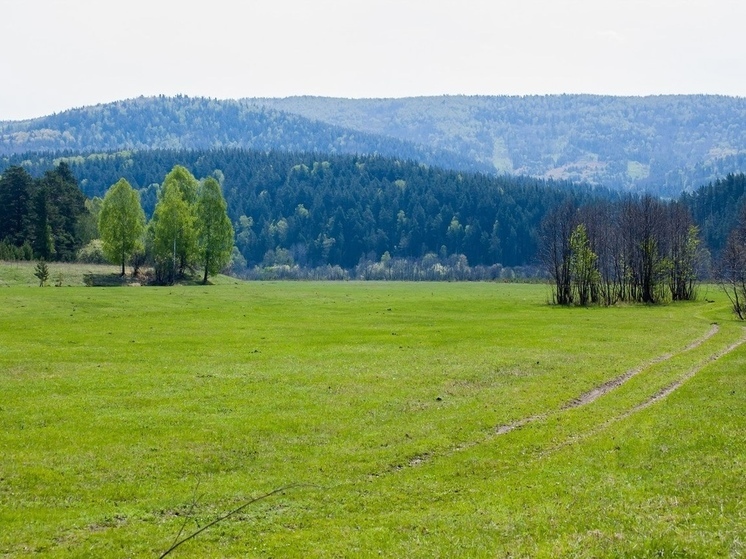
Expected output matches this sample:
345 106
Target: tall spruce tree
65 205
42 237
16 190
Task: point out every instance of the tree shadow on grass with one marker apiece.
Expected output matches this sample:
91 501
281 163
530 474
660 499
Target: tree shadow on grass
113 280
92 279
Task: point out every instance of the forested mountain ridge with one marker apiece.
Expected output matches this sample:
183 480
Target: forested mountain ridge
662 144
319 209
199 123
315 209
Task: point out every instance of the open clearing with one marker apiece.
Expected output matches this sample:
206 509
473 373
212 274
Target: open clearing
419 420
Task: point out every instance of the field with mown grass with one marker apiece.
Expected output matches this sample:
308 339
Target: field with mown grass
410 419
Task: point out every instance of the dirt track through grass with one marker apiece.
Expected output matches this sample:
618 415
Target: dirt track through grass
592 395
603 389
662 393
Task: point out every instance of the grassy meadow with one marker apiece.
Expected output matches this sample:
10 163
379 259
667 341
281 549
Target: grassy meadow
411 419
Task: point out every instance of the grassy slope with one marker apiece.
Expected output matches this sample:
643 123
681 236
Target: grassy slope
117 404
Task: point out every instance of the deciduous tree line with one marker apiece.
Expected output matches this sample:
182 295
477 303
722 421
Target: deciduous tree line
190 227
637 250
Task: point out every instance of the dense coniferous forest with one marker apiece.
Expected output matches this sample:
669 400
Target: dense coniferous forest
330 182
716 208
662 145
383 217
47 217
316 210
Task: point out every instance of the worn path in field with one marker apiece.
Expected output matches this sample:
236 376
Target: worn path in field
595 393
658 396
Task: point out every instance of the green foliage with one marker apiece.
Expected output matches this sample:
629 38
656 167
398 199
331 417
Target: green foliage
716 208
42 272
87 227
155 406
16 196
174 236
121 223
12 252
583 267
49 213
63 206
179 177
43 239
93 253
214 229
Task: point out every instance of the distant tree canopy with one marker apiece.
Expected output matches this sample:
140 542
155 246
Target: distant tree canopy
197 123
337 210
316 210
716 209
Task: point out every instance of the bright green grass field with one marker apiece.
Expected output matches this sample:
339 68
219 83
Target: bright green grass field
128 414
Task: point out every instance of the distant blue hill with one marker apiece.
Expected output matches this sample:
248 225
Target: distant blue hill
661 144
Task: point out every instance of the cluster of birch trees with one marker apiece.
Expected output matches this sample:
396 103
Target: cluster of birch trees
189 228
635 250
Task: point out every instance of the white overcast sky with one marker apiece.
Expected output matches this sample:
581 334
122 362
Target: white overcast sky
59 54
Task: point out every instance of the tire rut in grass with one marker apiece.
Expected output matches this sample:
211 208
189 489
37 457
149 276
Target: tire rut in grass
679 382
595 393
657 397
605 388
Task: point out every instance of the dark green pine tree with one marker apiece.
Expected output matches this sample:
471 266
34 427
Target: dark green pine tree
42 239
16 188
66 206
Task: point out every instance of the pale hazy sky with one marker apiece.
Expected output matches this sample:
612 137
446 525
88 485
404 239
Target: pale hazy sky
59 54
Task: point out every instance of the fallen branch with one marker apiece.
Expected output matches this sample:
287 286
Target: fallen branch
225 516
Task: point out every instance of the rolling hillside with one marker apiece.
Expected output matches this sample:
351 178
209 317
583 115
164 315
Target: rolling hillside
663 144
198 123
